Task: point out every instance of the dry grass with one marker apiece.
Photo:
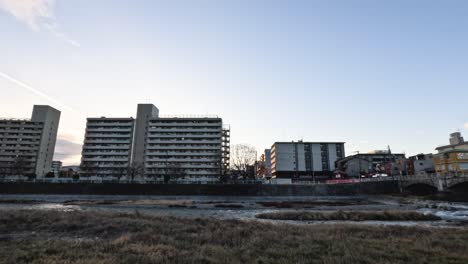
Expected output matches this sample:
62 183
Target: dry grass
131 202
79 237
350 216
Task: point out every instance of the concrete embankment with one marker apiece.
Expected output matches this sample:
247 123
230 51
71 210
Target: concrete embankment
386 187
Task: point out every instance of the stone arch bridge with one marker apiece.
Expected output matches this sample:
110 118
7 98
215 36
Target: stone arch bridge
440 182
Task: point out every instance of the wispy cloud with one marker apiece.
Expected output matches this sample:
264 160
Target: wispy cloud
67 150
37 15
37 92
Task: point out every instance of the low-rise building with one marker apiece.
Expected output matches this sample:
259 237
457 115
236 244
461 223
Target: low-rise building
354 166
456 143
376 162
452 159
422 163
305 160
56 167
451 162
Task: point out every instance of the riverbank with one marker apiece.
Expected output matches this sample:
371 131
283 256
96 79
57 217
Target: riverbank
80 237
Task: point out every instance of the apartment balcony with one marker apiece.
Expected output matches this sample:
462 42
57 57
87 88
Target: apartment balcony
108 135
186 167
184 129
198 147
153 136
106 159
184 124
180 159
185 141
99 147
106 141
104 153
32 147
97 123
185 153
109 129
8 129
14 158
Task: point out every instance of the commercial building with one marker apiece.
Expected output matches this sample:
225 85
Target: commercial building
305 160
451 162
456 143
452 159
353 166
421 164
375 162
27 145
189 147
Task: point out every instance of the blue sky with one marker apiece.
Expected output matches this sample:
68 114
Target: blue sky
370 73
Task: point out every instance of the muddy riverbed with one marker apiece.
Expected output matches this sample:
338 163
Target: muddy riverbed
244 208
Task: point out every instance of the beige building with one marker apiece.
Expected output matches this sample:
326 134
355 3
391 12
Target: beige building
188 147
27 145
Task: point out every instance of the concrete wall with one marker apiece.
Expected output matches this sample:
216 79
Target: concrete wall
332 156
385 187
50 117
144 113
284 157
316 157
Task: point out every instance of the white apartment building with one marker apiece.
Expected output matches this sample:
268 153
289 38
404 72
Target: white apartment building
107 148
302 160
189 146
195 148
27 145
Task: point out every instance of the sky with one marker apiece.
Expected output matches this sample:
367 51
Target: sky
369 73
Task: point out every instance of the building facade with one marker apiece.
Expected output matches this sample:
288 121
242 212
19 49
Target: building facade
107 147
366 164
451 162
56 167
456 143
27 145
422 163
195 148
185 147
452 159
303 160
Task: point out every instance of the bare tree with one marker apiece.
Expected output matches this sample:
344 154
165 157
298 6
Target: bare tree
87 169
4 170
19 166
135 169
119 172
242 156
175 171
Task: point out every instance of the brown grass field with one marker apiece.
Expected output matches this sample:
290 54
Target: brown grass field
350 216
83 237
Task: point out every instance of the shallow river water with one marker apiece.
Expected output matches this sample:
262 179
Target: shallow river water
242 207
